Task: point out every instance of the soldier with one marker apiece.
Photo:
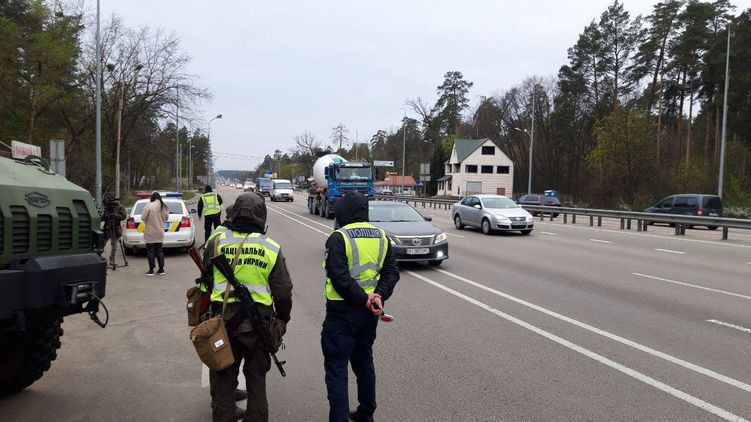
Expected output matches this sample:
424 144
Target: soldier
114 214
361 274
262 268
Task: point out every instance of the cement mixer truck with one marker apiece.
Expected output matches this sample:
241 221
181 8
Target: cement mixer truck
333 177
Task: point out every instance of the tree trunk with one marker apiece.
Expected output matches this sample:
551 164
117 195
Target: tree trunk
690 121
659 117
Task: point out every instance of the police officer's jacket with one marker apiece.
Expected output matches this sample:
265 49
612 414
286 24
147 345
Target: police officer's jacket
349 210
279 281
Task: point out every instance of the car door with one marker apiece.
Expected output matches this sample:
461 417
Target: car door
473 214
463 209
665 206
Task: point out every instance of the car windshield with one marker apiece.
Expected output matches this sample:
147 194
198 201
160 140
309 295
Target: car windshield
393 213
282 185
353 173
173 206
499 203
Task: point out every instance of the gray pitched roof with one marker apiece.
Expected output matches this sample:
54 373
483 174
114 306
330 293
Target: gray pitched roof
465 147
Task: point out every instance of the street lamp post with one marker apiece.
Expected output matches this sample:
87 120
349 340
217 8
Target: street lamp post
211 159
404 147
531 142
721 179
98 143
120 107
177 137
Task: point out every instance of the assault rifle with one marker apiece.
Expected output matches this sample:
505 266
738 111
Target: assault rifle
249 309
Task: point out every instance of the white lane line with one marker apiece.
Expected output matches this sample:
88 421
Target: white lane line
727 324
600 241
458 235
299 222
653 352
549 233
667 280
670 251
204 376
672 359
722 413
678 238
300 216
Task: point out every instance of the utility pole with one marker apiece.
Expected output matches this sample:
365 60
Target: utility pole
721 180
177 138
98 147
357 141
121 104
531 142
404 146
210 170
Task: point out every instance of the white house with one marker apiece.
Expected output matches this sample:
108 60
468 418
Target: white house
477 166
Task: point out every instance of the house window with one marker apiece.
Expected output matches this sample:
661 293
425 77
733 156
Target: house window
502 169
470 168
457 168
448 168
488 150
486 169
449 189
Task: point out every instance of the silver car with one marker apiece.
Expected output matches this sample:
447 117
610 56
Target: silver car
491 213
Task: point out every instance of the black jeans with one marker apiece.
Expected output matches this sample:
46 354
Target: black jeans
348 336
152 250
257 363
209 221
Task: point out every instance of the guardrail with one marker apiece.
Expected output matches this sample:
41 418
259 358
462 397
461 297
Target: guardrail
627 218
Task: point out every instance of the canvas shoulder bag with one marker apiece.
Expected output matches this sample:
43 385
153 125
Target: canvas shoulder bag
210 337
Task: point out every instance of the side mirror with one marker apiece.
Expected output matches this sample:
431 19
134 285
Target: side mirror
428 218
193 211
478 206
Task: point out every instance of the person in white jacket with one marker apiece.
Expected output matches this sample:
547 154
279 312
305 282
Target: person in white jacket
154 215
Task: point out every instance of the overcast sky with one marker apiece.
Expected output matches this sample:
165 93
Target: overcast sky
278 68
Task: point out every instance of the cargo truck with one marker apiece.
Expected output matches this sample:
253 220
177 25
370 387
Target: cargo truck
333 177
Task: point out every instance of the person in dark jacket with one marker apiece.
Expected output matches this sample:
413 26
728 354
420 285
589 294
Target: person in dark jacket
262 267
210 207
355 295
114 214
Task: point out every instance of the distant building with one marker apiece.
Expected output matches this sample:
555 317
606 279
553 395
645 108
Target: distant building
477 166
395 183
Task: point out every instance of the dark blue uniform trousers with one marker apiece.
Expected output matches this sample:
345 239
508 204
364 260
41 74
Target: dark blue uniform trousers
348 335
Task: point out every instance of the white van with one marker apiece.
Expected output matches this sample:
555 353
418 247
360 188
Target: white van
281 190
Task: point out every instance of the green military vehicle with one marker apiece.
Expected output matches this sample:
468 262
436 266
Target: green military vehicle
50 266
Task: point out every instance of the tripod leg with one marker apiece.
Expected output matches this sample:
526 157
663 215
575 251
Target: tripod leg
122 250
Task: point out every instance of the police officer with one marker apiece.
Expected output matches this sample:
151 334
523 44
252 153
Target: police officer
361 273
210 206
239 393
261 267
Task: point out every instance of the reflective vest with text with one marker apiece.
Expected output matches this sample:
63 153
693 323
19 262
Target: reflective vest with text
211 204
254 264
366 247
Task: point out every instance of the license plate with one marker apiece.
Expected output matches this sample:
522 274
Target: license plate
518 225
713 214
417 251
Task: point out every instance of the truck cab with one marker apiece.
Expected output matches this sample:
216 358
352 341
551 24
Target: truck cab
349 177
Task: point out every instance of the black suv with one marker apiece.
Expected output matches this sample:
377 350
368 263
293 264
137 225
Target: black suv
542 200
689 204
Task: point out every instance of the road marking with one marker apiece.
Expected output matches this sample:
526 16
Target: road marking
600 241
299 222
300 216
627 342
667 280
549 233
204 376
458 235
722 413
727 324
678 238
653 352
670 251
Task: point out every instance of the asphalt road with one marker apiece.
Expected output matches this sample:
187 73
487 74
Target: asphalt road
570 323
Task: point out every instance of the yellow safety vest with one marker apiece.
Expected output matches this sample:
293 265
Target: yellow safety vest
366 251
211 204
254 264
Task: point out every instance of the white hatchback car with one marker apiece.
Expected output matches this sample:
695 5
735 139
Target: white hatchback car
179 231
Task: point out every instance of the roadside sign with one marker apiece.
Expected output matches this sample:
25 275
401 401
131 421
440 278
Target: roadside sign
22 150
381 163
424 168
425 178
419 184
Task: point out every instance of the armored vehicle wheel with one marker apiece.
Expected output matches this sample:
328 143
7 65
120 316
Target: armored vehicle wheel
26 355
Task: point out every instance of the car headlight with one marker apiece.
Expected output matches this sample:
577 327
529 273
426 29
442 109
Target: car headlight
440 238
393 242
530 218
501 218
